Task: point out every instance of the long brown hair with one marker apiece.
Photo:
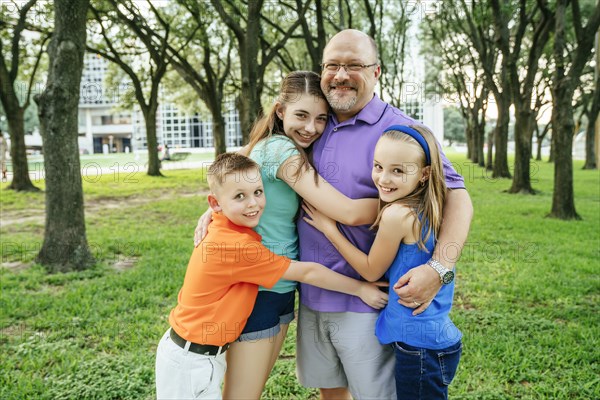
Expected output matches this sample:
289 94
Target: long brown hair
294 85
427 200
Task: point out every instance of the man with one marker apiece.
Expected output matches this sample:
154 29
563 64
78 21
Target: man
337 350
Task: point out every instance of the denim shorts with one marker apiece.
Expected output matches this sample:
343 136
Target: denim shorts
270 311
423 373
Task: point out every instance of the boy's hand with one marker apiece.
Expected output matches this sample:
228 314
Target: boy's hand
319 220
202 227
372 295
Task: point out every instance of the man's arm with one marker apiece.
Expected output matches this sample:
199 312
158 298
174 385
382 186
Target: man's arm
421 284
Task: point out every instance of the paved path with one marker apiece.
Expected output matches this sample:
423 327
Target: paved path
93 170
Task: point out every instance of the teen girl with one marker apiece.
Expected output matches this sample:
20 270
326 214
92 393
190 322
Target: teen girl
279 142
407 171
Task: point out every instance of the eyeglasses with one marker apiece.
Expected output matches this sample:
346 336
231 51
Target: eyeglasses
334 67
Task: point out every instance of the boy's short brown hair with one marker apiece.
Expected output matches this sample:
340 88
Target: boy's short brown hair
228 163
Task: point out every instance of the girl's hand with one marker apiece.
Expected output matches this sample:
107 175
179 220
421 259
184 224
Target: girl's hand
319 220
202 227
371 294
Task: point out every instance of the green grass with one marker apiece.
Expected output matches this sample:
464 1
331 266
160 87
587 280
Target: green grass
527 295
91 162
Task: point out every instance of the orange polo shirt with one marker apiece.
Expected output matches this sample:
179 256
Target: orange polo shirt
221 283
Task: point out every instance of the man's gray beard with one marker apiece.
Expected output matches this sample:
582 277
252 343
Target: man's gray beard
339 105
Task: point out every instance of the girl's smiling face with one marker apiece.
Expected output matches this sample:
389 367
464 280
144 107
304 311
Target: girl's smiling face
304 119
397 168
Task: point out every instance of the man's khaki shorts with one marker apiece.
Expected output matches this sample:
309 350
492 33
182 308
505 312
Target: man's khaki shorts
341 350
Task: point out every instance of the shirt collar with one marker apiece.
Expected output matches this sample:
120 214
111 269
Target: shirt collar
221 221
371 113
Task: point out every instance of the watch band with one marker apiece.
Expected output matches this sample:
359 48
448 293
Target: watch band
446 275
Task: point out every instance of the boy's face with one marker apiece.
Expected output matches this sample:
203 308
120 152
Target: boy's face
240 198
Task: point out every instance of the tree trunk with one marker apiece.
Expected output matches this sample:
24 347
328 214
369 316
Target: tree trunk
501 139
563 201
489 164
150 121
314 46
523 133
538 154
477 136
249 101
65 246
470 136
218 128
480 139
590 132
590 136
250 95
552 147
10 99
563 198
16 127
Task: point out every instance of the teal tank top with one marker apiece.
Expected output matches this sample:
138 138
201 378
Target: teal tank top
277 225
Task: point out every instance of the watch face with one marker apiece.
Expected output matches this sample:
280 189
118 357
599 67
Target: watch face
448 277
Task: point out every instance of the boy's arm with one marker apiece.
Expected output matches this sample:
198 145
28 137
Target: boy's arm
318 275
421 284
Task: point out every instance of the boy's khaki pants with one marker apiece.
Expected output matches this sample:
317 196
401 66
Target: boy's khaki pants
181 374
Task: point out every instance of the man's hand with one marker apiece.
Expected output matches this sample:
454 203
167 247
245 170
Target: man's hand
418 287
202 227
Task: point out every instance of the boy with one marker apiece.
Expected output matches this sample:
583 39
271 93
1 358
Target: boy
221 284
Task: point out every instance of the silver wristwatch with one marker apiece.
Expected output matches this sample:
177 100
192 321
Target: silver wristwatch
446 275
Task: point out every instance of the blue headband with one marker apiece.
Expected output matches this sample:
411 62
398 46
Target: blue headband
415 135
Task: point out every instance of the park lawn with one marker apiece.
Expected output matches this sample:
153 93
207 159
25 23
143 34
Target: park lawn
527 292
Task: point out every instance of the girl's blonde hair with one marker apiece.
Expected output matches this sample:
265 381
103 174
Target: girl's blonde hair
293 86
427 200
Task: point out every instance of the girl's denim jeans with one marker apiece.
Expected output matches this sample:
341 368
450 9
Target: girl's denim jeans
425 374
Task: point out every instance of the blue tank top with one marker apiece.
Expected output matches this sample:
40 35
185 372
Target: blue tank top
431 329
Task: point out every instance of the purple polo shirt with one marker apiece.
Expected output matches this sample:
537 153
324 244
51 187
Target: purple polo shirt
344 157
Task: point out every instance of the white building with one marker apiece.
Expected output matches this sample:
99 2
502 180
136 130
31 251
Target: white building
103 129
425 107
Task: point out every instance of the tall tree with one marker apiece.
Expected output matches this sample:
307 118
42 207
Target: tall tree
390 32
470 42
456 70
566 80
315 44
13 101
144 64
249 24
65 246
523 52
487 36
210 48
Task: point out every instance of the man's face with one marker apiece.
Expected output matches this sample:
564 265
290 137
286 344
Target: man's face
348 92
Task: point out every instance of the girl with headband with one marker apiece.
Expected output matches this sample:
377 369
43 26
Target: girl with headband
407 171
